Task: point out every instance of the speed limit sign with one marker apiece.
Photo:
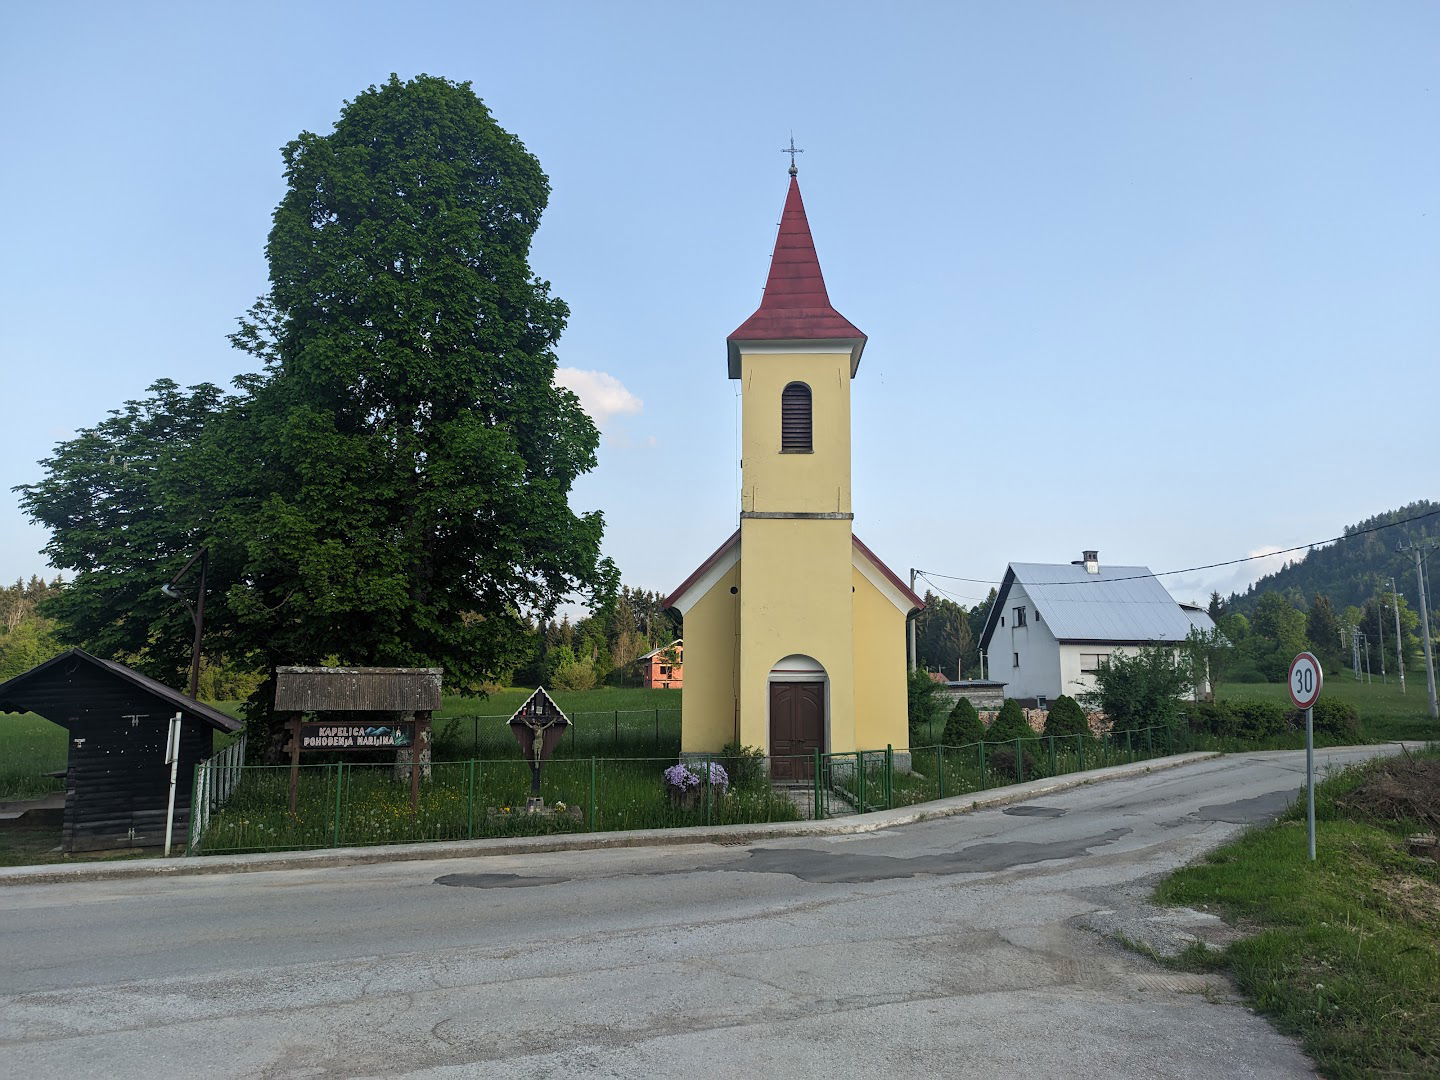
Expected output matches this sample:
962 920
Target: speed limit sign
1305 680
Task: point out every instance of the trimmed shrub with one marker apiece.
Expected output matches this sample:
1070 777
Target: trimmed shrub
1010 724
1001 763
1066 717
964 724
1338 719
1239 719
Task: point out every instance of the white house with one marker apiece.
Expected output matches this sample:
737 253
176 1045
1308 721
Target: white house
1051 625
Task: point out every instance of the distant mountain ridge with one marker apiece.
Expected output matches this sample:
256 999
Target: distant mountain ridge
1352 570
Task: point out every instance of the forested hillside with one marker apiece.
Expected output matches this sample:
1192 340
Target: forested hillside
1350 571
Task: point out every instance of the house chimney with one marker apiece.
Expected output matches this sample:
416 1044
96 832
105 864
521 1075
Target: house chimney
1092 562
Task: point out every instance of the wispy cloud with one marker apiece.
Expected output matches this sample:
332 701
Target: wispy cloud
601 395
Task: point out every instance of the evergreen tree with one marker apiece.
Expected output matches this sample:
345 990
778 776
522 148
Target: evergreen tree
1322 629
1010 723
1066 717
963 724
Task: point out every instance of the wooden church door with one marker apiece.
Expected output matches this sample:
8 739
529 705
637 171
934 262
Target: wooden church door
797 728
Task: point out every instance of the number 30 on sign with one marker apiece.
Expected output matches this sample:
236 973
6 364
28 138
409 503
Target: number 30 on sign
1305 680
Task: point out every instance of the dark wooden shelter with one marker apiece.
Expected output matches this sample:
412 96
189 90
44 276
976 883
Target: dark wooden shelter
116 781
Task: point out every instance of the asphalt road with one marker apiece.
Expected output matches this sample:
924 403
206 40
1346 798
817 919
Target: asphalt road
974 946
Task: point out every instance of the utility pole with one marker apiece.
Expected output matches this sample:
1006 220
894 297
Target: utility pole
1425 634
1380 622
912 624
1355 651
1399 641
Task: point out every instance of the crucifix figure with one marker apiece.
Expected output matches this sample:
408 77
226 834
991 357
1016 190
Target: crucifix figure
792 150
538 726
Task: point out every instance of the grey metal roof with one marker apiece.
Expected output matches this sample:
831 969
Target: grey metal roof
1120 603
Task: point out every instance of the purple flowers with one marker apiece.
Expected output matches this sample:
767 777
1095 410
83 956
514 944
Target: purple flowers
687 776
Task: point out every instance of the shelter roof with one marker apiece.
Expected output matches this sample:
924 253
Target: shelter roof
796 305
1118 604
17 694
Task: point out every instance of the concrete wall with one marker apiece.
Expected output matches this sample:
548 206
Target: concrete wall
1039 670
775 482
794 598
880 694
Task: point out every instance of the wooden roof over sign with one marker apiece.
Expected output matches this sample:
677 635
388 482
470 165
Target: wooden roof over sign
357 689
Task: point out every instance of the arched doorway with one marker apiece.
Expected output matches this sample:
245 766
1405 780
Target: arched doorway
797 717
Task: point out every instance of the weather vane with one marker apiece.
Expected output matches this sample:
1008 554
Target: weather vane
792 150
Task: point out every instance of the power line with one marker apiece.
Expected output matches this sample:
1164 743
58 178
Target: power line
1208 566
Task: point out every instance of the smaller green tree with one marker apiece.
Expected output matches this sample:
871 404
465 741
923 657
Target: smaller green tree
1067 718
963 725
1142 688
1010 723
925 702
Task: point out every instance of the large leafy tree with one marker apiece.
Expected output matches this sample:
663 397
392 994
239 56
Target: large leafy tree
392 486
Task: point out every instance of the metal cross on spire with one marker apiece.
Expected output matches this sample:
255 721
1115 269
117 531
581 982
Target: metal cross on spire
792 150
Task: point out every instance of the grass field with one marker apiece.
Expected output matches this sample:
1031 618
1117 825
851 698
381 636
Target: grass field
1343 955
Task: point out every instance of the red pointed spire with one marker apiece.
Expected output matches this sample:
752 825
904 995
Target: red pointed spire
796 306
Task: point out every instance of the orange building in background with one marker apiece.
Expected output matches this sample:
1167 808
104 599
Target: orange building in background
663 668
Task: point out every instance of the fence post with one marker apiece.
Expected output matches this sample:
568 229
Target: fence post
983 774
940 769
889 776
470 803
339 788
860 779
1019 761
707 789
1150 740
1052 754
1129 749
592 792
1080 748
817 811
616 742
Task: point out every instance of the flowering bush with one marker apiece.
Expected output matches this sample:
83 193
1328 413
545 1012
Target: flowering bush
687 776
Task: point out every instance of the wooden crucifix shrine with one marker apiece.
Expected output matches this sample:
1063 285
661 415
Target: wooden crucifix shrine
413 691
538 726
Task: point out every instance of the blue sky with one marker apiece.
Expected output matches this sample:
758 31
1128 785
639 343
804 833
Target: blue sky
1157 279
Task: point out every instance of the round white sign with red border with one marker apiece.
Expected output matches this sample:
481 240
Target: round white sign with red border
1305 680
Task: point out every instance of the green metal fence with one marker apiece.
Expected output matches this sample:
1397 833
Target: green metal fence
614 732
344 803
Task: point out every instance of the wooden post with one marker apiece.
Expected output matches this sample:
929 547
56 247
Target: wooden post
420 744
294 759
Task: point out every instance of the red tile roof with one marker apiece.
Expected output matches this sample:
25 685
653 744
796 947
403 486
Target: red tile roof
796 306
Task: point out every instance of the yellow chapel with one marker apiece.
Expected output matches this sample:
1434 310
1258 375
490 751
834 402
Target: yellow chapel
794 629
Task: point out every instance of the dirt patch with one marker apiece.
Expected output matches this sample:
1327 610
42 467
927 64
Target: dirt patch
1417 900
1400 791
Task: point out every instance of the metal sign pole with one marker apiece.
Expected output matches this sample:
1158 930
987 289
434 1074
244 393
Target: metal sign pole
1310 777
172 758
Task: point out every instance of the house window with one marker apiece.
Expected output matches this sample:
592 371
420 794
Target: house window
664 669
1016 661
1090 662
795 420
1019 616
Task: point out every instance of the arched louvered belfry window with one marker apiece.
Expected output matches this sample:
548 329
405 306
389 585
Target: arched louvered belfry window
795 422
